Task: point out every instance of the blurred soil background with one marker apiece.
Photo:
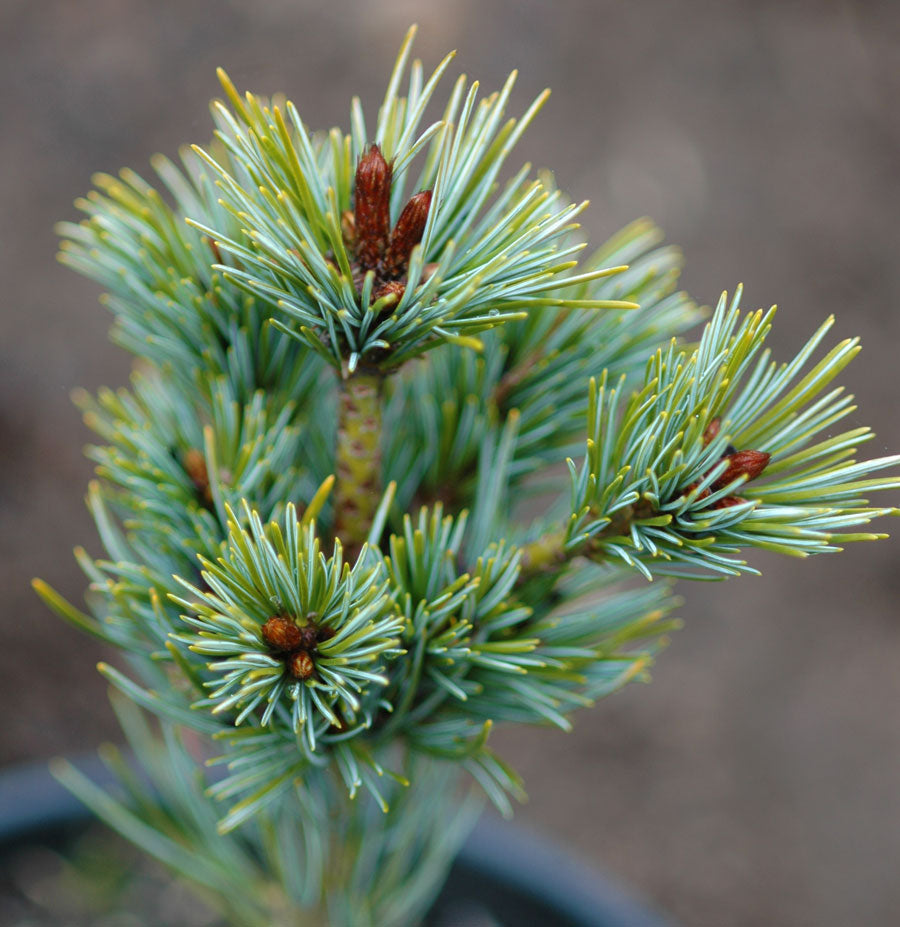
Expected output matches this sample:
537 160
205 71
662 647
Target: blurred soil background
756 781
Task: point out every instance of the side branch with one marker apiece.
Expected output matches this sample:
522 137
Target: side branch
551 552
358 488
543 555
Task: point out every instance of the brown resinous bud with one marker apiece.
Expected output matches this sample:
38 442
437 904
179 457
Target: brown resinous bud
742 463
300 664
372 207
712 431
749 464
282 633
194 464
294 643
407 233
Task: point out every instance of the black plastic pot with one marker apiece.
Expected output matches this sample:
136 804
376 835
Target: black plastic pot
522 880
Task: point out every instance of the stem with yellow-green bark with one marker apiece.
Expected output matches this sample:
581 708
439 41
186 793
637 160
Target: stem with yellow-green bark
358 469
549 552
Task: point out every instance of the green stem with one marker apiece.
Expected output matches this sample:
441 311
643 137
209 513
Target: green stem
544 554
548 554
358 488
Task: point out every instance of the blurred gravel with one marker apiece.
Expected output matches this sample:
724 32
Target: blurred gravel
756 781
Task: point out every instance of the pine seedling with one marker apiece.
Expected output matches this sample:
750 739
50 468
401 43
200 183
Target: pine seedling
360 351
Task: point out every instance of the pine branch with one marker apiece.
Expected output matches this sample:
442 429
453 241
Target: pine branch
662 485
359 431
331 276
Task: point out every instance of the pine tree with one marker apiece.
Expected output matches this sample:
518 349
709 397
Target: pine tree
341 543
